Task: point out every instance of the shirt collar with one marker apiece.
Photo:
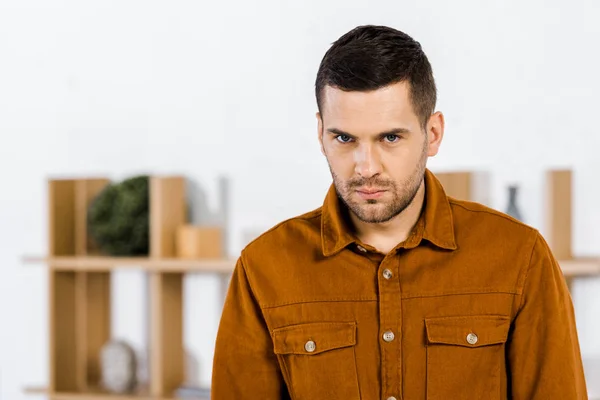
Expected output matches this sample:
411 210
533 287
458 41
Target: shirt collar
435 223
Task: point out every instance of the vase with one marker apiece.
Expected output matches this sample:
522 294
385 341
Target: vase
513 208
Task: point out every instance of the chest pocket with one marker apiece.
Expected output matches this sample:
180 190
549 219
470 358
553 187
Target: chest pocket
465 357
318 360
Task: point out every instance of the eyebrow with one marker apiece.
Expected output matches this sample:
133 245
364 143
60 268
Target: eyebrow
395 131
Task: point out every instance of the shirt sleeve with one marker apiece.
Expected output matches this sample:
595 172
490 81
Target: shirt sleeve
543 349
244 364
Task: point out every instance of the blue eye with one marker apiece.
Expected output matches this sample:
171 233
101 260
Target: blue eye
343 138
392 138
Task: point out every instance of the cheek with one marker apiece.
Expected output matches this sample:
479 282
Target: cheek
401 162
341 162
407 153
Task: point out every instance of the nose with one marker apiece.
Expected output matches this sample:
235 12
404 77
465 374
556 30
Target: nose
366 161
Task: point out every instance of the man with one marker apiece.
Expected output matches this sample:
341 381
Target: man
392 290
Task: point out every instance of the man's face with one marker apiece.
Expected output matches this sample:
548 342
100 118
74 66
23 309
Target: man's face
376 149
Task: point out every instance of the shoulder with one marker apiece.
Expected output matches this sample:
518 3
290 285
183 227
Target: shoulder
473 215
488 232
300 231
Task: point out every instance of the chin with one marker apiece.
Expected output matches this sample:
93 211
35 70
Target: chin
370 213
373 219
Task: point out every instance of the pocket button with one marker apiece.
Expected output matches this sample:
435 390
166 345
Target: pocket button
310 346
472 338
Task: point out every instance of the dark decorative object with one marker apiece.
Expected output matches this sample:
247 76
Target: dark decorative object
513 209
118 218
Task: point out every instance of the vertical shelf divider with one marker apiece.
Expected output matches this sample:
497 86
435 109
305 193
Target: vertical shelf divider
79 314
63 332
93 318
559 213
559 218
61 218
85 192
62 292
167 213
167 370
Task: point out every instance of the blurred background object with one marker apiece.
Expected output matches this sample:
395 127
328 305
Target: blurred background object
118 367
118 218
214 102
513 207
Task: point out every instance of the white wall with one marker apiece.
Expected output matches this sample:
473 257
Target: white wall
122 87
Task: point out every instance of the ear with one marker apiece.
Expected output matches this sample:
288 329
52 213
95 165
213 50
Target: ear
435 132
320 131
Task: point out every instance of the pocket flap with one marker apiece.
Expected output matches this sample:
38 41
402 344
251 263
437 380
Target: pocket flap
323 335
468 331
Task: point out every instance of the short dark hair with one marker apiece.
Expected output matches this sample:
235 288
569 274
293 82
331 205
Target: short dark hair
370 57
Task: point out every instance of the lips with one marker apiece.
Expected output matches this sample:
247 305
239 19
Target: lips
370 194
370 191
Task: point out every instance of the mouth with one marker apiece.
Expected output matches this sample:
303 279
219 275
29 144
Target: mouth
369 194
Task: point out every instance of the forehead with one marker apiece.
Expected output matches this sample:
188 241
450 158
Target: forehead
372 109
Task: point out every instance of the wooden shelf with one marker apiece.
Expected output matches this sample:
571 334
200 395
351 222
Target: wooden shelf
92 263
574 267
99 395
580 267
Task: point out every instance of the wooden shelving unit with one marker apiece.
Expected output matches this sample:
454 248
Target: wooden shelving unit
79 291
79 279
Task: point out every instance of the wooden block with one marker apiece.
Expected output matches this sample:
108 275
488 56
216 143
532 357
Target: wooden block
167 213
61 217
199 242
63 356
167 362
85 192
559 213
466 185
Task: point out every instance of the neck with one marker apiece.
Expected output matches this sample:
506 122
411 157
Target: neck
386 235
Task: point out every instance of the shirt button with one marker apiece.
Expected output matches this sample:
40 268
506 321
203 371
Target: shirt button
388 336
387 274
310 346
359 247
472 338
391 398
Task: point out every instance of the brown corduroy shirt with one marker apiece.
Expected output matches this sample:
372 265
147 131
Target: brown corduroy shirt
472 305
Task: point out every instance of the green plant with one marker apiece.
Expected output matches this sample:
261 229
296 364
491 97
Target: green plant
118 218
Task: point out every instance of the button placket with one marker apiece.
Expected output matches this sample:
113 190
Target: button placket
390 320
